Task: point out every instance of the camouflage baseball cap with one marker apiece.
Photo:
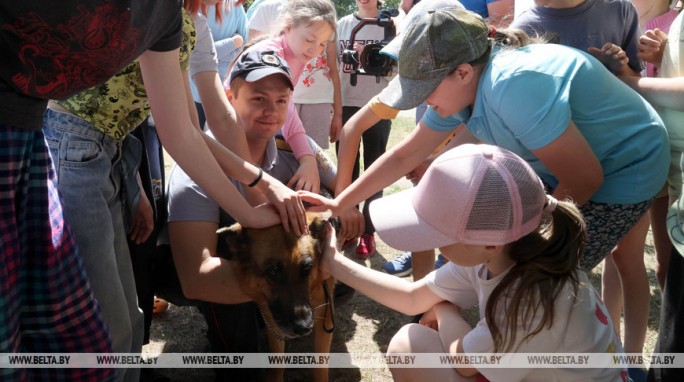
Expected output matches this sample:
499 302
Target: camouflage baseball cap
393 47
432 47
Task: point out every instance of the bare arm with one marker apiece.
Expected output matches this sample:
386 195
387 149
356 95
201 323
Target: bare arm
192 111
666 92
405 6
162 77
461 136
286 201
410 298
336 123
350 138
392 165
572 161
203 276
221 117
615 58
452 329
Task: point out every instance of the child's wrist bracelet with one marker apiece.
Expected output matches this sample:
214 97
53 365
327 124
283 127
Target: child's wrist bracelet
257 179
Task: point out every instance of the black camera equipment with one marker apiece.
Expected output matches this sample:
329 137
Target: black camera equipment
371 62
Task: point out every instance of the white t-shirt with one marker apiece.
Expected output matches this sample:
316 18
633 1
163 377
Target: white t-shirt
266 15
581 325
315 84
672 65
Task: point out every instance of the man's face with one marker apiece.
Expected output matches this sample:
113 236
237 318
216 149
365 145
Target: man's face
261 106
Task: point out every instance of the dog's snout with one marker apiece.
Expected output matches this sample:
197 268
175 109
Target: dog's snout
303 329
303 322
303 326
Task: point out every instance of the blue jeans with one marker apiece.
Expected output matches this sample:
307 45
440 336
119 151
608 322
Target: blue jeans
89 171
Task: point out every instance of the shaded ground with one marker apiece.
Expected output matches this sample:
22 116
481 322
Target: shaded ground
362 326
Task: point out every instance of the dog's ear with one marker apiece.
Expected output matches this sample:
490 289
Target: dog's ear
230 242
319 231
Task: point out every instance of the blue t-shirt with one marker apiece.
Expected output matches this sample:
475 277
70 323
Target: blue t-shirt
590 24
478 6
527 97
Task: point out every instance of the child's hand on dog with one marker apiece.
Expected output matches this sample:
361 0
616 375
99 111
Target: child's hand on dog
288 204
318 203
352 225
329 253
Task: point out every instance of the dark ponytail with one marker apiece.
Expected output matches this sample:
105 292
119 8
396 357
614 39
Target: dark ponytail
546 260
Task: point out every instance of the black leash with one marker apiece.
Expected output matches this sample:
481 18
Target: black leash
329 302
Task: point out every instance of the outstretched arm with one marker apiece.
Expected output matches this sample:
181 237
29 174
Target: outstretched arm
410 298
665 92
350 138
392 165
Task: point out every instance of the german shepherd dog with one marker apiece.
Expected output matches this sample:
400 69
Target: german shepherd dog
279 271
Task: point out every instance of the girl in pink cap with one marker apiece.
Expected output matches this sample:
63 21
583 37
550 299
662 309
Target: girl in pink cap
513 250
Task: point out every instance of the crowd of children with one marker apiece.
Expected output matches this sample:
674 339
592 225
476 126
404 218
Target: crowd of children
527 174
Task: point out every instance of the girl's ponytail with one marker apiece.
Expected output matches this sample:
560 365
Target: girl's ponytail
508 39
545 260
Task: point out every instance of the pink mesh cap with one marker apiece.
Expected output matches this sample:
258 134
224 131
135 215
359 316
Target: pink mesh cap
472 194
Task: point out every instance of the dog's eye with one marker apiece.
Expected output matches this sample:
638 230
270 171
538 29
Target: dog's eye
306 268
274 271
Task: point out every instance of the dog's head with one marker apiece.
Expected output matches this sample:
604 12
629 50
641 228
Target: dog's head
277 270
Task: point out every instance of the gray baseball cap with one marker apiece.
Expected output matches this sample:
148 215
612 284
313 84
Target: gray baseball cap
255 64
434 45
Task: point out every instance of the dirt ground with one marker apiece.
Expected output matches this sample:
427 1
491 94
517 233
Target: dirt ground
362 326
